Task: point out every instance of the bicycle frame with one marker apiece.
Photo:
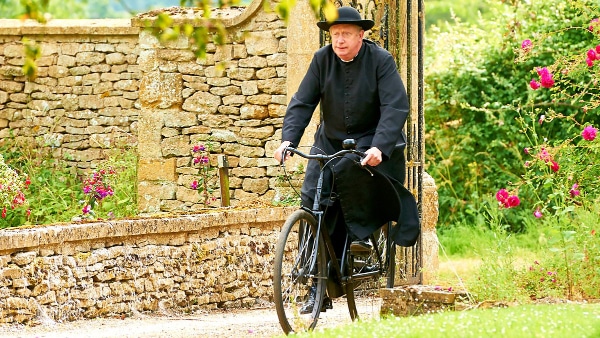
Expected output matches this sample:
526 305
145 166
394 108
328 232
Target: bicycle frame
318 214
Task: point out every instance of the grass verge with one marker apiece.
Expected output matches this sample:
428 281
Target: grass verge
544 320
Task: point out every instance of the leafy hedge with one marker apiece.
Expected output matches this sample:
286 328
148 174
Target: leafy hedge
478 99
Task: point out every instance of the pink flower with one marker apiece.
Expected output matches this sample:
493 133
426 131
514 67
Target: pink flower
545 77
554 166
589 62
194 185
506 200
541 119
591 54
526 150
544 155
4 212
589 133
502 195
513 201
593 23
198 148
527 164
526 44
537 213
86 209
534 84
574 191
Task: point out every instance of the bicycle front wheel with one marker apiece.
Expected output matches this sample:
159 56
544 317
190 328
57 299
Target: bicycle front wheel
300 269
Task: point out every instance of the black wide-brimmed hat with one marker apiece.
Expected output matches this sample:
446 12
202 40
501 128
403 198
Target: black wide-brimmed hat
347 15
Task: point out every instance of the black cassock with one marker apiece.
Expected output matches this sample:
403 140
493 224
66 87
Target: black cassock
368 196
365 100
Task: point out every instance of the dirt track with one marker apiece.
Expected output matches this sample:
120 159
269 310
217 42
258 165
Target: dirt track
215 324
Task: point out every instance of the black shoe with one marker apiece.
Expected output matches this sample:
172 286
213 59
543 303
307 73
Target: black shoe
361 246
309 305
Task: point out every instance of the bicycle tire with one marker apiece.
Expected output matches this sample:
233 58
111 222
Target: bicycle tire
365 301
294 273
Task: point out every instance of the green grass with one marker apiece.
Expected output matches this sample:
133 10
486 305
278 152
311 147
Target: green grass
559 320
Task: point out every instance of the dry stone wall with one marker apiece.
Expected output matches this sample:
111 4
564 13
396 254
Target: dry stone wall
183 264
232 101
84 100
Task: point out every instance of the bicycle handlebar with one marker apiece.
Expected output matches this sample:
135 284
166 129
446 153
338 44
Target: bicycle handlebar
322 157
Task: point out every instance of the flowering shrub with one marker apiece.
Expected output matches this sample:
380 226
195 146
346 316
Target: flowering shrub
96 188
11 189
540 282
205 182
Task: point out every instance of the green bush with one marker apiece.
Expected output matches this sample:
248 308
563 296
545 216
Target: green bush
56 191
478 96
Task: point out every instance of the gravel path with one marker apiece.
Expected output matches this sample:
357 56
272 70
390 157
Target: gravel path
214 324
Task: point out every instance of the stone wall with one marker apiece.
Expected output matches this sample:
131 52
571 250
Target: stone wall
67 272
84 100
232 101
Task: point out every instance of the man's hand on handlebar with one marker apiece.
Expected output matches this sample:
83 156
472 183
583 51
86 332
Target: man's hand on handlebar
372 158
279 152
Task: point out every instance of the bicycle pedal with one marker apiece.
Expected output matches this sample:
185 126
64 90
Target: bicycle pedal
360 247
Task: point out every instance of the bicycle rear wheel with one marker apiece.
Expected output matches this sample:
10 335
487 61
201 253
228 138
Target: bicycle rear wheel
298 268
372 271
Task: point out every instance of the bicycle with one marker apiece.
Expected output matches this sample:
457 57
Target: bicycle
301 260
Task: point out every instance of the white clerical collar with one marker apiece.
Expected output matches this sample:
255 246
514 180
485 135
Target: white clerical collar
350 59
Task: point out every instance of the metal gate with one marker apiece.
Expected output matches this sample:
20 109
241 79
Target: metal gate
399 28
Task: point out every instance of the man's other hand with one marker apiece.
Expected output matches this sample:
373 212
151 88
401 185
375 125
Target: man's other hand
279 152
372 158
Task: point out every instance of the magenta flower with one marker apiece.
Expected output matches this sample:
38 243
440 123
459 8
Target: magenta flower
506 200
526 150
526 44
86 209
592 55
589 62
544 155
512 201
502 195
589 133
537 213
574 190
546 79
534 84
194 185
554 166
198 148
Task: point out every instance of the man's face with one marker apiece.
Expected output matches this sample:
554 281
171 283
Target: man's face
346 40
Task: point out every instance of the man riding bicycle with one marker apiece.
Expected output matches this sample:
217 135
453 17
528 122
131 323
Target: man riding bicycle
362 97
